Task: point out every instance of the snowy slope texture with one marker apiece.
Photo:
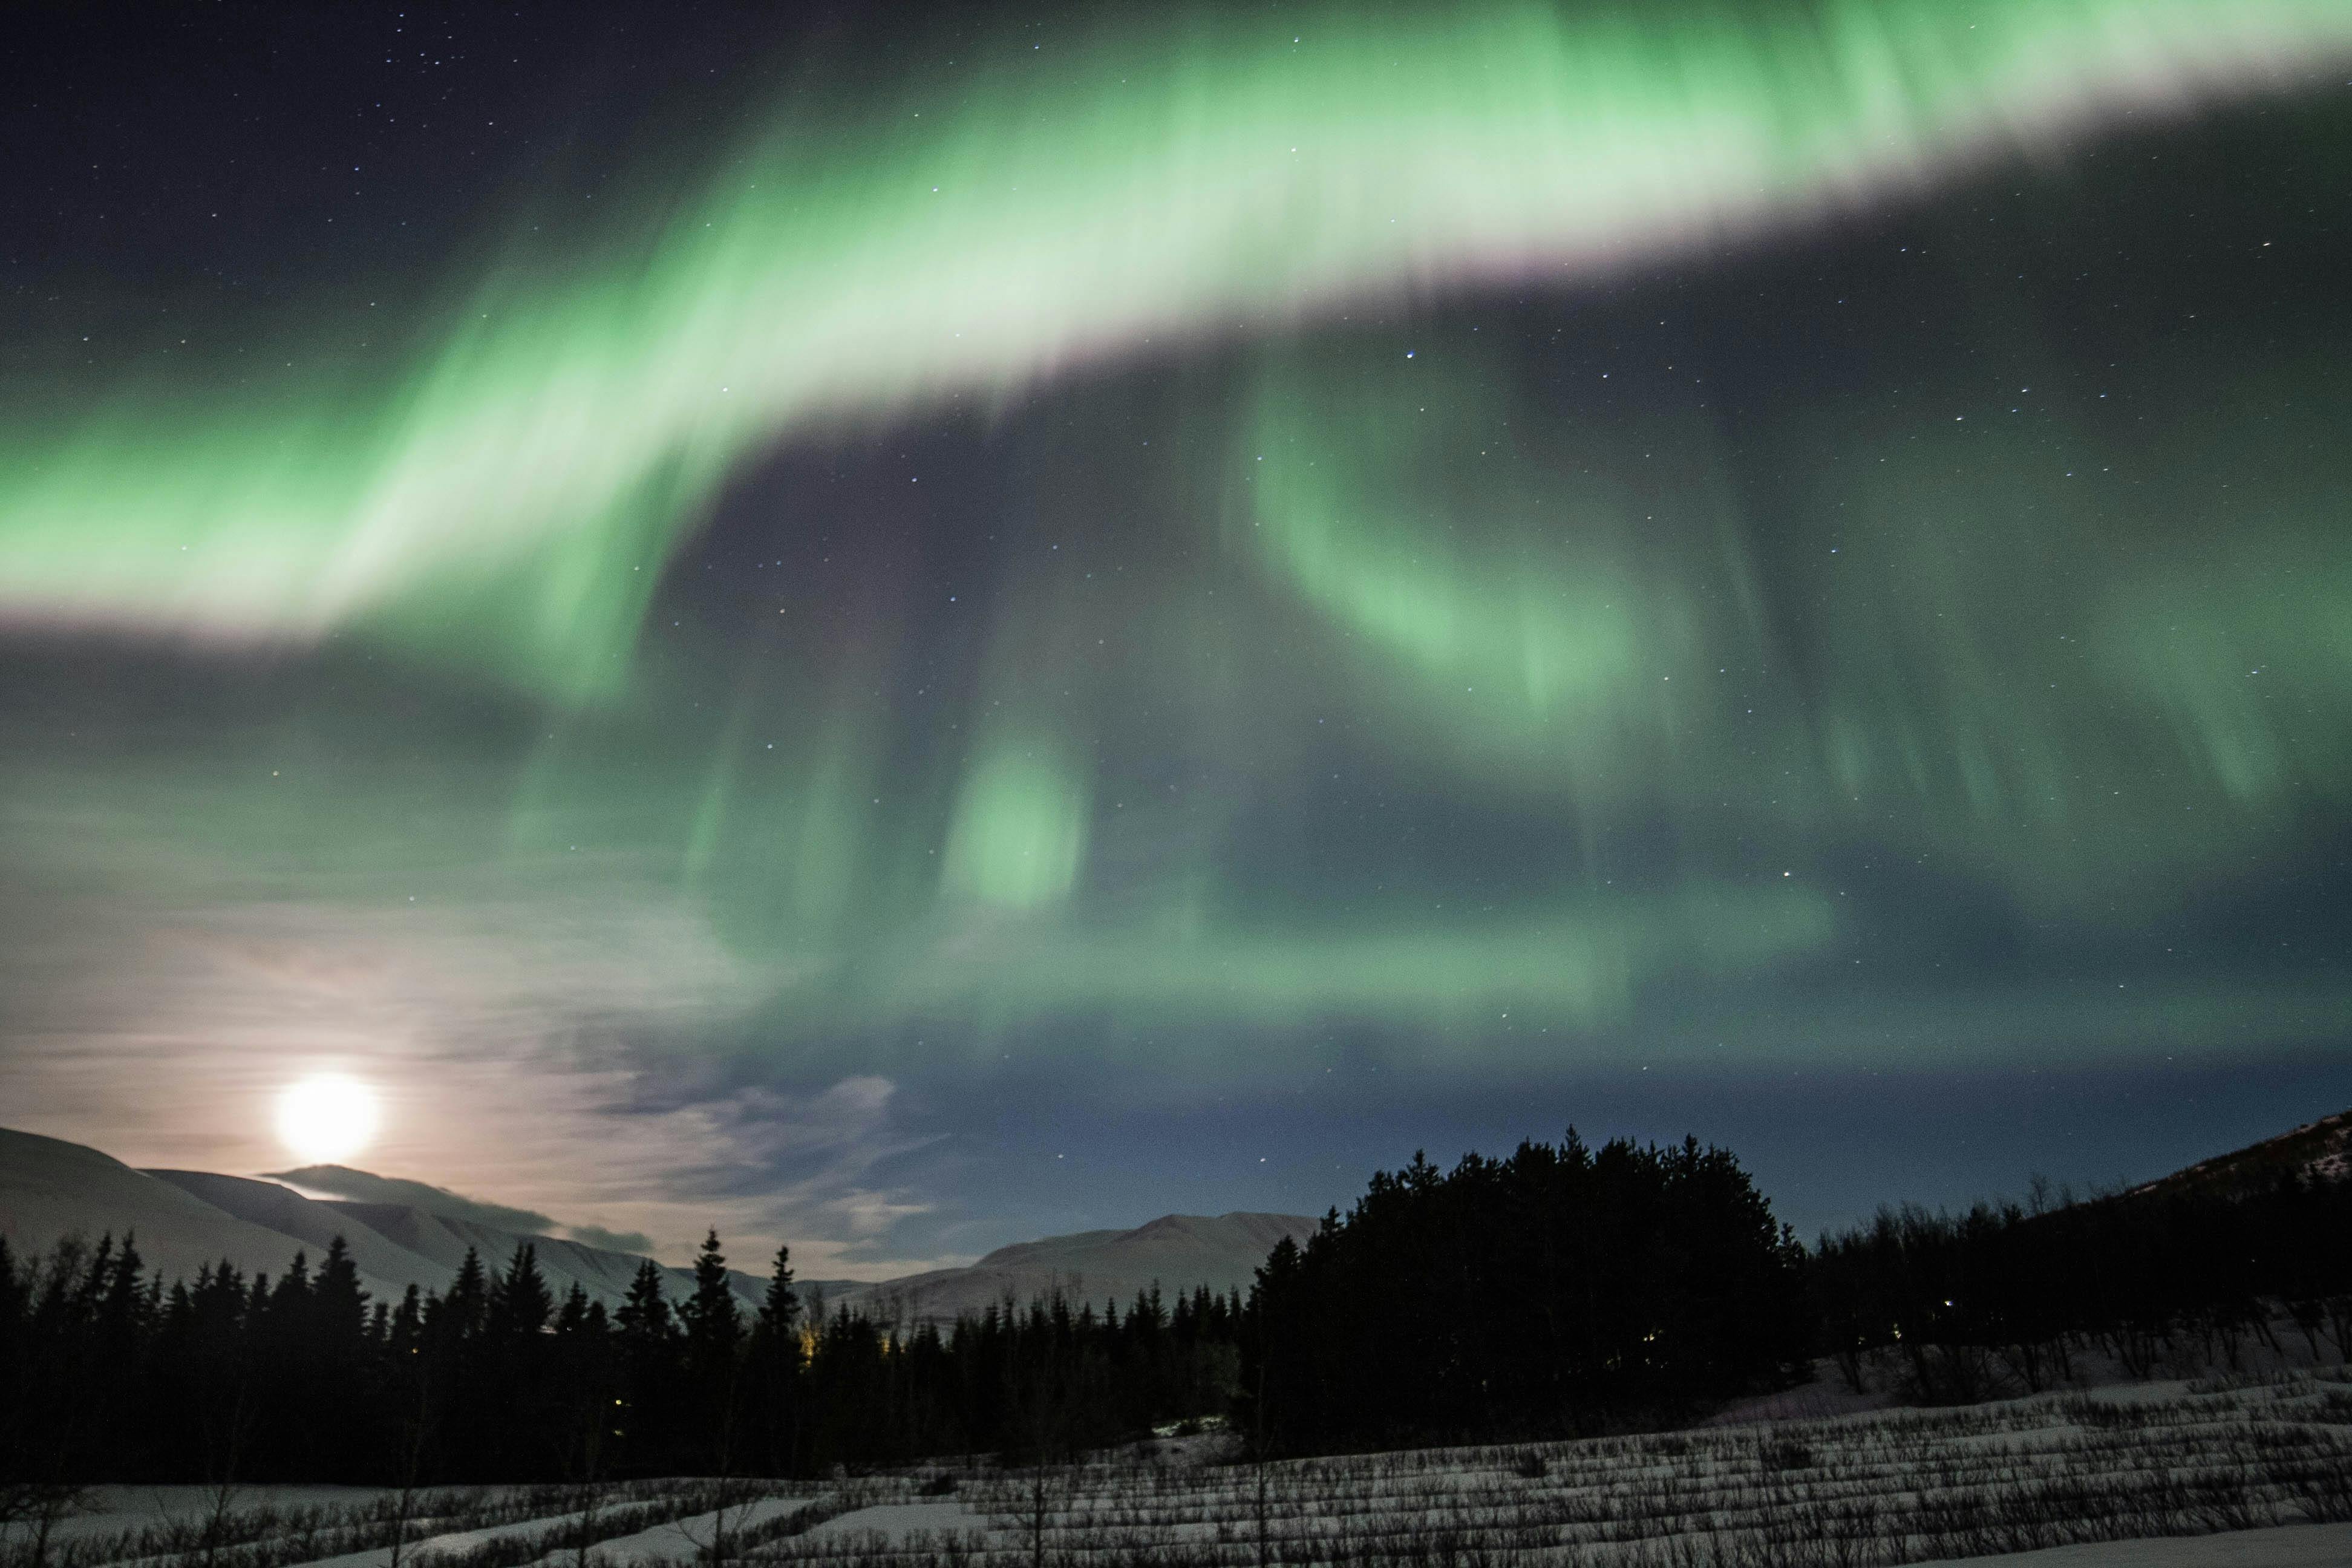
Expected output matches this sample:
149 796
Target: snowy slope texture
313 1224
184 1219
367 1188
2167 1474
604 1274
1176 1252
50 1189
441 1224
393 1241
2318 1151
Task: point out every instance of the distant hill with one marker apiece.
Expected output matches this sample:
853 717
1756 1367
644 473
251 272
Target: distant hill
1176 1252
367 1188
396 1241
291 1216
2320 1150
184 1220
50 1189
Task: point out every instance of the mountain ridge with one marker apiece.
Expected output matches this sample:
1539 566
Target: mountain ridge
412 1246
50 1188
1175 1253
185 1220
2317 1151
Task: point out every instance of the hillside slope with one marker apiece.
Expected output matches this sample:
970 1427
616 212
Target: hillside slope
305 1220
2317 1151
186 1219
445 1238
1176 1252
50 1189
399 1242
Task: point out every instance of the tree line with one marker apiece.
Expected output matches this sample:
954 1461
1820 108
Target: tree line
1559 1290
109 1374
2011 1297
1562 1290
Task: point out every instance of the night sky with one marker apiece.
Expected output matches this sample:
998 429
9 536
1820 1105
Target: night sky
906 629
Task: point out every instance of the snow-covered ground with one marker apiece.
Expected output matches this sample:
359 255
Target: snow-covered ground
2279 1348
451 1544
2247 1473
685 1539
2258 1473
621 1525
898 1523
113 1510
2287 1546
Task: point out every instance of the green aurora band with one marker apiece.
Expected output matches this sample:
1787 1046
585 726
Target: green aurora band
509 500
1593 628
1582 638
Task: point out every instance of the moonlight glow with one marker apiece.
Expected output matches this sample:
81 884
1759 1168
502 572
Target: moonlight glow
822 628
328 1118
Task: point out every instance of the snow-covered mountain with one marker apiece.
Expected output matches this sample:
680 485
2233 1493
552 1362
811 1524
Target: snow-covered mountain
404 1242
1176 1252
50 1189
186 1219
2317 1151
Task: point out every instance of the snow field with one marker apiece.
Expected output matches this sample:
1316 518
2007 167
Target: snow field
900 1524
691 1539
2287 1546
455 1543
2256 1474
262 1526
1854 1492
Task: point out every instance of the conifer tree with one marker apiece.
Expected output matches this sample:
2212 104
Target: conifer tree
465 1309
406 1334
714 1338
458 1362
780 1310
340 1306
714 1324
776 1363
583 1404
644 1317
1561 1287
647 1341
520 1302
331 1346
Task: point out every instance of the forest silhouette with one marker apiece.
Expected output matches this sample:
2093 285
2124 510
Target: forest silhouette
1560 1291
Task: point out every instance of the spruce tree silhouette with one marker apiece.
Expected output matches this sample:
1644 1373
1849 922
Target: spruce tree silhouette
650 1369
714 1343
775 1362
1558 1290
521 1304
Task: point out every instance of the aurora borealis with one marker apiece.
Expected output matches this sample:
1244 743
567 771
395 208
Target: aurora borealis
932 629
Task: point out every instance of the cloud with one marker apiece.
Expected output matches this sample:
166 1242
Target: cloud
159 986
760 1165
613 1240
534 1008
363 1187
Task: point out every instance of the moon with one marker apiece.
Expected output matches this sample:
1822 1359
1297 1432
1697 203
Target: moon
327 1116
